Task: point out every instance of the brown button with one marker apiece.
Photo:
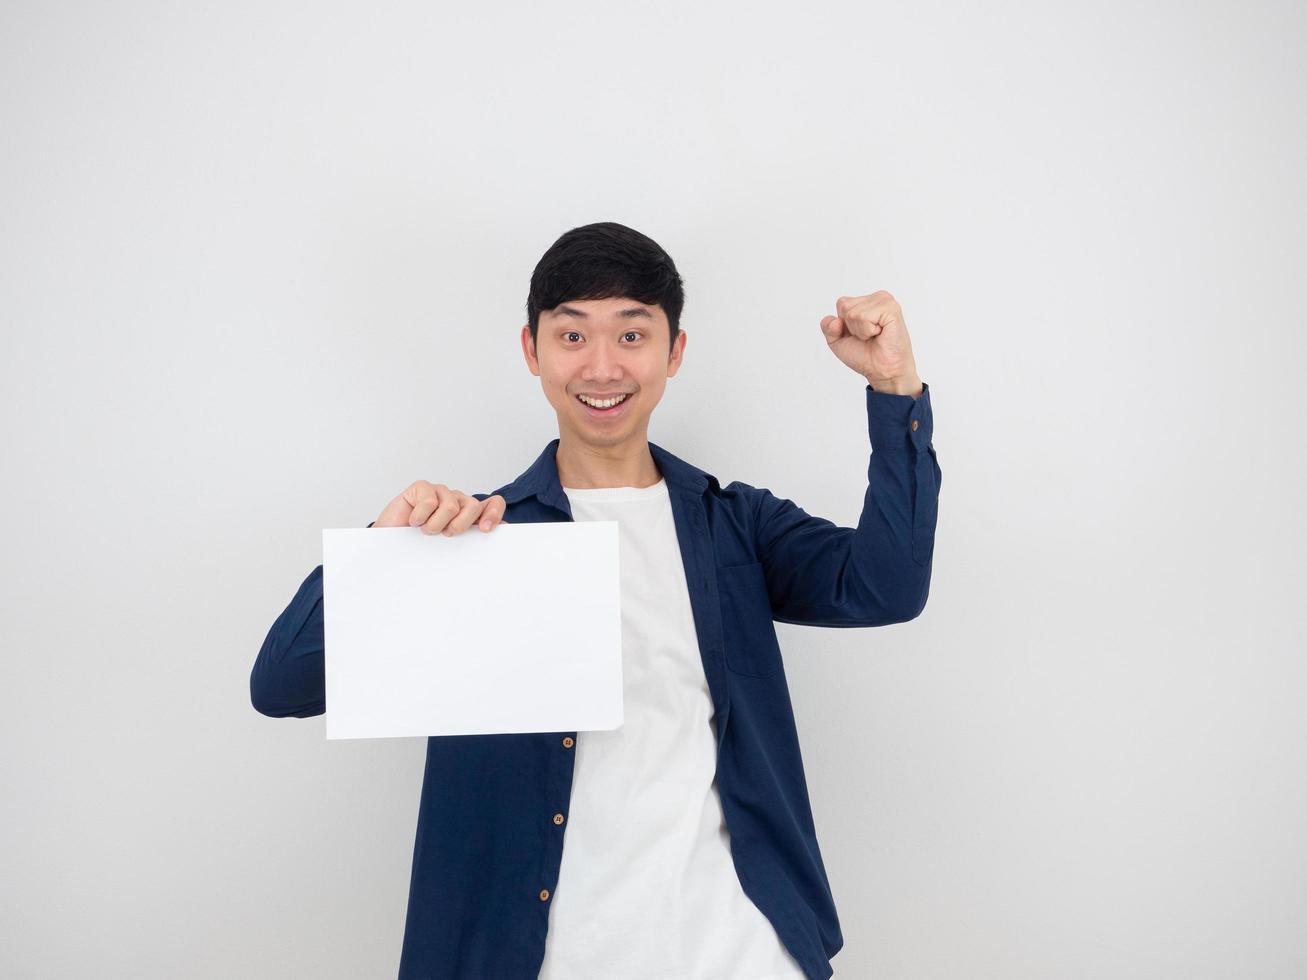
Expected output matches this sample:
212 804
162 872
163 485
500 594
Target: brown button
558 818
544 894
567 742
914 425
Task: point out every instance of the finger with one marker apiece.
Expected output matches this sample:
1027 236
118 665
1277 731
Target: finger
493 512
882 314
869 320
426 498
396 514
464 518
880 309
854 314
863 328
847 306
866 316
449 505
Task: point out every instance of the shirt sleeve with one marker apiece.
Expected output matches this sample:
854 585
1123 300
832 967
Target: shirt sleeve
289 679
819 574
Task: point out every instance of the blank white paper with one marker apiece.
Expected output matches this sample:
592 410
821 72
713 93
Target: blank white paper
514 630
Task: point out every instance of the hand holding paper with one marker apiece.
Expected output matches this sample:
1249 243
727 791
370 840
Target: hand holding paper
435 507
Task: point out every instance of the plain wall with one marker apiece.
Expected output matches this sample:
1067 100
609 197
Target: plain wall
263 265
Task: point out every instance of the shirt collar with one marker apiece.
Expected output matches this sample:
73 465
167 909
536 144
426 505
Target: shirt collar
541 478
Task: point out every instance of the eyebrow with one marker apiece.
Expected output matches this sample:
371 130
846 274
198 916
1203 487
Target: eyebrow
630 311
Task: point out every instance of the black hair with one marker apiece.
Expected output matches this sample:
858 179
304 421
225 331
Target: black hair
601 261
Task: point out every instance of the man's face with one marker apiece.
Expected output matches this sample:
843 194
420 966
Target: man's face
603 348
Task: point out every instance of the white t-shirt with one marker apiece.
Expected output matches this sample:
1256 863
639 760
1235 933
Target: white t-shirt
647 889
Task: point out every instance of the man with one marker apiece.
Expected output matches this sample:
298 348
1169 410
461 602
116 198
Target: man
690 846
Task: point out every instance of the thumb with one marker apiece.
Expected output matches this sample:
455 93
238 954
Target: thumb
833 328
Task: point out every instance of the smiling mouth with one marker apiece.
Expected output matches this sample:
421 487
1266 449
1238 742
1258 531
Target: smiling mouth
614 409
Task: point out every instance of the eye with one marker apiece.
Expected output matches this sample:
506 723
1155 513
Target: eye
629 332
570 333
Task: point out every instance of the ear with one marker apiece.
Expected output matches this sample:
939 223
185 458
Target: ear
678 352
529 351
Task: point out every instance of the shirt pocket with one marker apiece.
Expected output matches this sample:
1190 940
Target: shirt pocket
750 637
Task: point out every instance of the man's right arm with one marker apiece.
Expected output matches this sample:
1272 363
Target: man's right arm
289 676
288 679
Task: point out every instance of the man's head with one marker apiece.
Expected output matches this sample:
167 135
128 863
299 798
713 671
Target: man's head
604 319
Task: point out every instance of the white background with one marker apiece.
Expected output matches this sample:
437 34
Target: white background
263 265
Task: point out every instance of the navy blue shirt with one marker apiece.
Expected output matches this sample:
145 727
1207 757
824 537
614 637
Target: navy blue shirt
487 854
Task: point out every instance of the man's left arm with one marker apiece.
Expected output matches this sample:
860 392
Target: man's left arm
819 574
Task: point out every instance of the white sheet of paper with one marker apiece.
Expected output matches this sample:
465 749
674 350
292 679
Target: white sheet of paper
514 630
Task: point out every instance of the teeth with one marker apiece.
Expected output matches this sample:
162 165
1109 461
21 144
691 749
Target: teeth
606 403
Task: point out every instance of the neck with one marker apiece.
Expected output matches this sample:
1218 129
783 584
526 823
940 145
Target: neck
584 467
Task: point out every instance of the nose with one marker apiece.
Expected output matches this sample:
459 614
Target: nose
603 366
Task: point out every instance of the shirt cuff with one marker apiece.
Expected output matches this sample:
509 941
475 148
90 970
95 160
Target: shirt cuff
899 422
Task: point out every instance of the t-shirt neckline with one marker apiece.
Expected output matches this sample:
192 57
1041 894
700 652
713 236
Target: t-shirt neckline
617 493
